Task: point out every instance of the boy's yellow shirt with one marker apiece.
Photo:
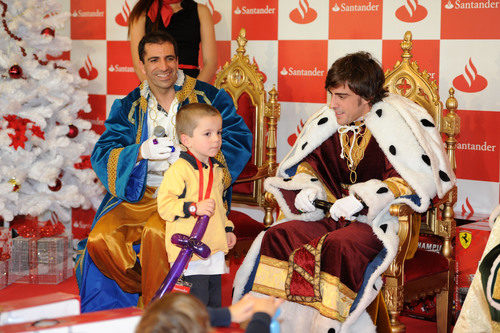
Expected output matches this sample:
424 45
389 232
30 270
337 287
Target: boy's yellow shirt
179 188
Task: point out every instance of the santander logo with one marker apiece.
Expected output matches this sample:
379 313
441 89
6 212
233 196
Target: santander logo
292 138
122 17
216 16
467 210
303 14
411 11
302 72
470 81
88 71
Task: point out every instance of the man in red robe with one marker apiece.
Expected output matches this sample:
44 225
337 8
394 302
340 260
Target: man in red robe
364 152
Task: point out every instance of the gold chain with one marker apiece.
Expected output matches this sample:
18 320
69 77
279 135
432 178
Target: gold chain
353 149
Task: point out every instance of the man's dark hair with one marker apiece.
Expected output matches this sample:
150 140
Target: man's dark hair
362 74
156 37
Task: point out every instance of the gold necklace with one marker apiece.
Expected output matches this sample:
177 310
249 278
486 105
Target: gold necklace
353 147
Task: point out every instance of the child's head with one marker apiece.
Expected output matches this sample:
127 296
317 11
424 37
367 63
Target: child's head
176 312
199 128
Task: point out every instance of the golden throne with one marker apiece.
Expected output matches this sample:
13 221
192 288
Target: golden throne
244 82
416 273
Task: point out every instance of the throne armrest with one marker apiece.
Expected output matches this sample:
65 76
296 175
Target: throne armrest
261 173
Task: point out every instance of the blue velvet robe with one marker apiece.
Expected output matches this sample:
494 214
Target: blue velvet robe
114 161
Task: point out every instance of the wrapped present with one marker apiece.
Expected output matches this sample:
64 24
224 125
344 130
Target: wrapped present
4 273
23 263
51 255
5 243
117 320
68 264
41 253
469 246
40 307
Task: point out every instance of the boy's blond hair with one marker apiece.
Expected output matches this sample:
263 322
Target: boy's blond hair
188 115
175 312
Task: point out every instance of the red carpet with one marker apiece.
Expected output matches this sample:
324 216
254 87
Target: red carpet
17 291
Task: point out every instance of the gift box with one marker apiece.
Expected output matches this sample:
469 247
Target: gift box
51 255
117 320
69 263
469 246
4 273
5 243
40 307
23 262
40 260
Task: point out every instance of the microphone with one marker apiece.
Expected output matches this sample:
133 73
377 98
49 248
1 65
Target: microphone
326 205
159 132
323 205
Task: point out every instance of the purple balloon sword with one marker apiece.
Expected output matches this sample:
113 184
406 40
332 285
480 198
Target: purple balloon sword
189 244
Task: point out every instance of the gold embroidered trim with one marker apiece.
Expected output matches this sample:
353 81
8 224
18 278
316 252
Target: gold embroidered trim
112 167
202 94
226 176
79 262
496 288
313 280
193 99
358 144
103 210
398 186
337 298
186 90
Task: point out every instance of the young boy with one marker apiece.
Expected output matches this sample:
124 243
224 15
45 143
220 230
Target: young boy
193 186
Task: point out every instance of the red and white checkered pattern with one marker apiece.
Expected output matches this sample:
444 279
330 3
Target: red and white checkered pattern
295 41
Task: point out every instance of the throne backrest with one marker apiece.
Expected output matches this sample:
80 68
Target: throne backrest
243 81
408 80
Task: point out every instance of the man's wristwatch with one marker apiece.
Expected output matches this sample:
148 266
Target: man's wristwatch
192 209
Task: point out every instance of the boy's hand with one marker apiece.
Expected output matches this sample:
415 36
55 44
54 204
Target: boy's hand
205 207
231 239
267 305
243 309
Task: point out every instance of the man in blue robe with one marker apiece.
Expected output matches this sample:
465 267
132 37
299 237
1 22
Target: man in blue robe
130 157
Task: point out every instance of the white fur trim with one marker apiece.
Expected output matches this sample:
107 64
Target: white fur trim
310 138
367 191
493 216
300 181
246 267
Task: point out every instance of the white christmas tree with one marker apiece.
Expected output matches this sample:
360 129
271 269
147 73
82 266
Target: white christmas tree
44 146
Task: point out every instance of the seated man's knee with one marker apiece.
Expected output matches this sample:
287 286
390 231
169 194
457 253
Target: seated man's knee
274 233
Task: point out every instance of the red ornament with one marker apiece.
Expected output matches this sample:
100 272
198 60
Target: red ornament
73 131
48 32
57 186
16 72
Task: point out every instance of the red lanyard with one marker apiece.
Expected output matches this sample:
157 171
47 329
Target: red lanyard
210 178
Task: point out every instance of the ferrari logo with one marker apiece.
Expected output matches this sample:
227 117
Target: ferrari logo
465 239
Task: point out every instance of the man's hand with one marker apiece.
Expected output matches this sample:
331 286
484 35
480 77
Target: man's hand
205 207
345 207
156 148
304 200
231 239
